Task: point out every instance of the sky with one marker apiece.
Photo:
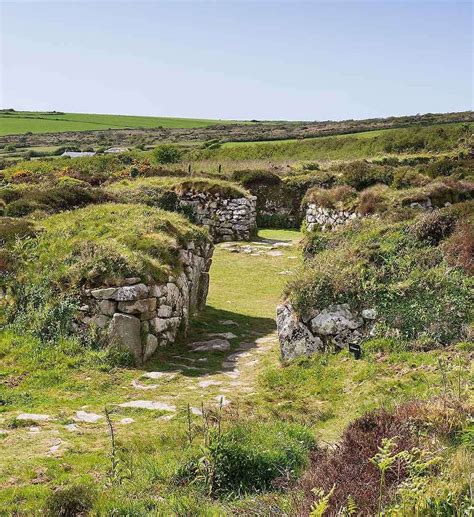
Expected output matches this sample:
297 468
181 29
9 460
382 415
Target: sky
241 59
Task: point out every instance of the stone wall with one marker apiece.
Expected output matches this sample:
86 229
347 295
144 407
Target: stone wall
327 218
142 317
335 327
226 219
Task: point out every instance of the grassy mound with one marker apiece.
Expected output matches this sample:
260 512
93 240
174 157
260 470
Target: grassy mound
144 189
403 269
92 246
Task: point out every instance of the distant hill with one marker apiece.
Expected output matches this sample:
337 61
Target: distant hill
20 122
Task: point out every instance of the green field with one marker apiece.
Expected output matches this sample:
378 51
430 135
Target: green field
19 122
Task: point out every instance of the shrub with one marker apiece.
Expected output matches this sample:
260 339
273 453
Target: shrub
11 229
405 177
249 458
70 501
458 250
337 197
361 174
373 200
348 469
166 153
433 227
250 178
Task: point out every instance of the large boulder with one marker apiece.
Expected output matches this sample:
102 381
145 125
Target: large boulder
295 338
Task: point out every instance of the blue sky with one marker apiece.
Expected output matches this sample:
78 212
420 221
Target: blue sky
306 60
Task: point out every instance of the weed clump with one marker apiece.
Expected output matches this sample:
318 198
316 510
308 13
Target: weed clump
250 458
70 501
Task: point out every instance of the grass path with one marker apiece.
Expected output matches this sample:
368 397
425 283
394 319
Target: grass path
246 284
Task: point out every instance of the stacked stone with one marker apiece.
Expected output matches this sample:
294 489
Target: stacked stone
335 326
226 219
327 218
141 317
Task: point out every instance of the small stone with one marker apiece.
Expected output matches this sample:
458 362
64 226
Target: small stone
159 375
103 294
34 417
196 411
90 418
369 314
127 421
214 345
72 428
164 311
138 306
275 253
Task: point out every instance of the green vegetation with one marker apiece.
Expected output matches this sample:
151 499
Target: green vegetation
398 268
21 122
377 143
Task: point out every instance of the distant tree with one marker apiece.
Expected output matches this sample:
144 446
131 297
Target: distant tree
166 153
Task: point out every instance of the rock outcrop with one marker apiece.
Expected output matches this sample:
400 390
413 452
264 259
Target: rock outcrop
141 317
226 219
334 327
327 218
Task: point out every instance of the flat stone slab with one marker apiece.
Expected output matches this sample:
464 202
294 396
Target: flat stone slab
34 417
225 335
127 421
213 345
72 428
159 375
227 322
274 253
149 404
196 411
90 418
206 384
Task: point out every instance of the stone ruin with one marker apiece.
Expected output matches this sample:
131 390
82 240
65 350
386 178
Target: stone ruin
226 219
334 327
141 317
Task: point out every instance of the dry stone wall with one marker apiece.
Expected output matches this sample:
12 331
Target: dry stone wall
226 219
141 317
334 327
327 218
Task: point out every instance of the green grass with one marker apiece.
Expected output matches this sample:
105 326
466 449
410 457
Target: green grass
436 138
324 392
21 122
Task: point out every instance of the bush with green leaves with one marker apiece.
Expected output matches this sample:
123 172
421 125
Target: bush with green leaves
166 153
250 457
